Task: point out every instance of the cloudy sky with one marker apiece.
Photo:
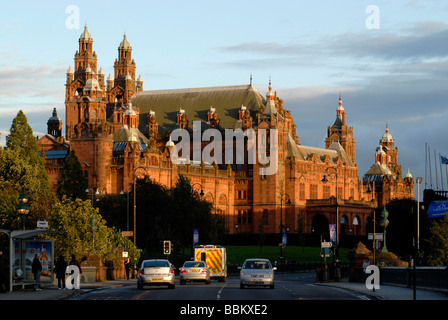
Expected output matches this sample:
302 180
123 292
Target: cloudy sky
389 59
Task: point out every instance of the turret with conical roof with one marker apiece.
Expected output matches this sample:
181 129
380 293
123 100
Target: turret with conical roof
341 132
54 125
124 64
124 85
85 56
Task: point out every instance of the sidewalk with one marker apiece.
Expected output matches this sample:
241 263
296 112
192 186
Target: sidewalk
389 291
51 291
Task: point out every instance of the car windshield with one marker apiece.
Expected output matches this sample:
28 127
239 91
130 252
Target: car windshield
194 264
155 263
255 264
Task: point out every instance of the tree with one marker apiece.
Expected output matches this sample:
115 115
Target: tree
22 168
22 140
72 221
72 182
438 243
193 212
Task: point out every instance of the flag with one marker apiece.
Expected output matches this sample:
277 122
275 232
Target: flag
444 160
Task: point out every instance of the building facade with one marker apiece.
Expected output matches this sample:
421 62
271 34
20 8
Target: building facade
120 132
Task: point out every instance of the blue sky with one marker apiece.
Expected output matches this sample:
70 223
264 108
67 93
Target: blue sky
396 74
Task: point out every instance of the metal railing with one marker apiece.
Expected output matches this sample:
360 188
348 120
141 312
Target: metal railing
426 277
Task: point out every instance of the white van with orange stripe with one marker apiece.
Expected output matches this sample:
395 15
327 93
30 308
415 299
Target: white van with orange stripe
215 258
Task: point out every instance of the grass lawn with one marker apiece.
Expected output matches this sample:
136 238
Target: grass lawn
237 254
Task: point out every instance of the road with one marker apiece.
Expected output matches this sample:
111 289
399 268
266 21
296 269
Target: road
298 286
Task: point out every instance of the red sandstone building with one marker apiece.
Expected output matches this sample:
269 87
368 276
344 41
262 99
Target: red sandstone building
119 131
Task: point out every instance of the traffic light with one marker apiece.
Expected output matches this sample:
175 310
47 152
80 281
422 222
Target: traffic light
166 247
331 249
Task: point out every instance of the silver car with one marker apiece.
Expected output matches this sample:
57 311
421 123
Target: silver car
156 272
257 272
194 271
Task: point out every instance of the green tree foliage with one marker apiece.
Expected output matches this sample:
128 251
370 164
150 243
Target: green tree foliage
438 243
22 167
72 221
21 139
165 214
72 182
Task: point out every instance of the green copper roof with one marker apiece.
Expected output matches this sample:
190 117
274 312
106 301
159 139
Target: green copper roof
197 102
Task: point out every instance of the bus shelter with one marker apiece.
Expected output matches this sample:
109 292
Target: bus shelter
23 245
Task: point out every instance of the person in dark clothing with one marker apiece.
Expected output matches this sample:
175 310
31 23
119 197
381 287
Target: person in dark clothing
3 271
36 269
60 268
127 267
75 263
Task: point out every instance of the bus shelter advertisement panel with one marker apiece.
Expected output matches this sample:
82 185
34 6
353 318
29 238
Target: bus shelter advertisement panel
25 253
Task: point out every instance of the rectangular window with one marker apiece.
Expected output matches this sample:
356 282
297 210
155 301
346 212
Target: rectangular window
313 191
302 191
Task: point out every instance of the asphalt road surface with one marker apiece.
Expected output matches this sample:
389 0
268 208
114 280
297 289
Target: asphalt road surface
299 286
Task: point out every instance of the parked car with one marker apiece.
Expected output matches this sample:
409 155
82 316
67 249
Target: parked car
156 272
194 271
257 272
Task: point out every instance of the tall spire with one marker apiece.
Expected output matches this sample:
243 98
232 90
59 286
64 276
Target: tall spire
270 95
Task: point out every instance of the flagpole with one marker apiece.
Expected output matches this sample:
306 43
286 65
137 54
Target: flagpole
429 161
435 165
441 174
426 164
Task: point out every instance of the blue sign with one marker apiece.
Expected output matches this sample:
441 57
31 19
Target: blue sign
284 235
332 233
438 209
195 237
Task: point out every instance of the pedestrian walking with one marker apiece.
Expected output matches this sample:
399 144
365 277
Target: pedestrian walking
36 269
60 268
75 263
3 271
127 267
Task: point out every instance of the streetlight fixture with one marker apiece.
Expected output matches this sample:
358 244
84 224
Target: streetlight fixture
23 208
336 251
198 184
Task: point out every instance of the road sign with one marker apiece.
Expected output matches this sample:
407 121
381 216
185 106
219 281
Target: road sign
378 236
42 224
325 244
127 233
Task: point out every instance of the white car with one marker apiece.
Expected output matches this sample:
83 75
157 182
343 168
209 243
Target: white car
194 271
257 272
156 272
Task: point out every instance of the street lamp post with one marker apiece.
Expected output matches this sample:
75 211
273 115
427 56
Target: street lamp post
374 223
287 201
93 227
336 251
23 208
384 222
135 203
417 244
